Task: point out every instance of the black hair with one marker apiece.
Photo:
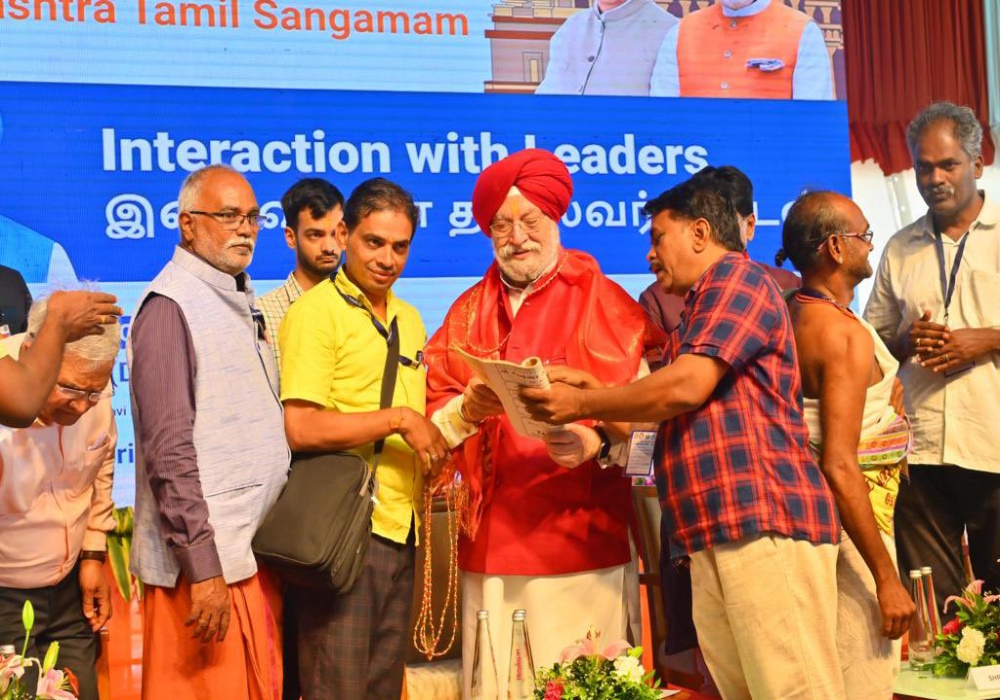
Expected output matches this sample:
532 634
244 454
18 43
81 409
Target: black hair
379 194
733 183
810 221
700 198
312 193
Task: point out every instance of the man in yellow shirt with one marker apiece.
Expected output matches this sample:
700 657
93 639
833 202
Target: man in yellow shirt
334 343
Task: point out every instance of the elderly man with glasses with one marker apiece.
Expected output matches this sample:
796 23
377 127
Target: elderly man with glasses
857 431
211 455
55 505
549 518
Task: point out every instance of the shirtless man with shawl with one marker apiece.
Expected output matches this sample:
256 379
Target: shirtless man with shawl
859 437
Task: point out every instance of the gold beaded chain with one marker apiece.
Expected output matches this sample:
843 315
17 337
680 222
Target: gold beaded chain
426 635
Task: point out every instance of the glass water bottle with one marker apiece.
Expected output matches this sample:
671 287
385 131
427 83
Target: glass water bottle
484 665
521 675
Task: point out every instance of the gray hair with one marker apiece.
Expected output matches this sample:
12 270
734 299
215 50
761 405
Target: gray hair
96 349
191 187
965 127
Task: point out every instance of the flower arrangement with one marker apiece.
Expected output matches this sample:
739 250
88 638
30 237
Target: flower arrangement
588 671
972 637
52 684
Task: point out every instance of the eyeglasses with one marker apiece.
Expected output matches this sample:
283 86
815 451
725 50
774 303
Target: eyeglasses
533 223
91 396
232 220
865 237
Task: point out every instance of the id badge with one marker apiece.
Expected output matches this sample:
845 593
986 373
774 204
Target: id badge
640 453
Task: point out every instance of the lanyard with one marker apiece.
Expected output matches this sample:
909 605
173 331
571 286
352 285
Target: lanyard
948 281
388 334
379 326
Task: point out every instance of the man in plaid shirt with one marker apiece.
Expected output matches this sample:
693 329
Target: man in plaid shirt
744 498
314 212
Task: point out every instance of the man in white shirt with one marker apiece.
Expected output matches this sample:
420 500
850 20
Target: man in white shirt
56 508
607 49
934 303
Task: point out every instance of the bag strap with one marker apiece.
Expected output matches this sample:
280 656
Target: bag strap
388 379
391 336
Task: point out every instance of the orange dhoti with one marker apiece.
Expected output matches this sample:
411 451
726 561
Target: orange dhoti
245 666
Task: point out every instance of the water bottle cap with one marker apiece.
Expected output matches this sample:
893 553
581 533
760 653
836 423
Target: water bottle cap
519 615
483 615
914 573
925 570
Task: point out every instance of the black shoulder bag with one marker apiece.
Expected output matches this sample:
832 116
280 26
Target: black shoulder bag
316 534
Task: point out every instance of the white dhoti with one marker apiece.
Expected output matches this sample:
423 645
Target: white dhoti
560 610
869 661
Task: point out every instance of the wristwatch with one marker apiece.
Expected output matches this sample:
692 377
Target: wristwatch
605 450
96 556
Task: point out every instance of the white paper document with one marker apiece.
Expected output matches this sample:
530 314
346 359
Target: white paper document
506 379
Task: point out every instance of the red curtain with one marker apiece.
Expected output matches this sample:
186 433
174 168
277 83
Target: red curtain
900 56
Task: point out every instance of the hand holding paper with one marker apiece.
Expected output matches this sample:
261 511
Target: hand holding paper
480 401
581 379
506 379
556 404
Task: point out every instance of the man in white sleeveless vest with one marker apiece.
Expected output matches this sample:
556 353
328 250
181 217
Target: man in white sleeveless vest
856 430
211 455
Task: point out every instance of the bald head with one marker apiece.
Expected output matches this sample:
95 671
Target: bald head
814 217
827 238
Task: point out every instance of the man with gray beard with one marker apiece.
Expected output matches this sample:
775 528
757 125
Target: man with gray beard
211 455
548 522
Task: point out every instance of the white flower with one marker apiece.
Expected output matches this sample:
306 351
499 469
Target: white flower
970 648
630 668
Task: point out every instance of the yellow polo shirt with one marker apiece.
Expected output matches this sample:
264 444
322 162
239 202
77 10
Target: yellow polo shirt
332 355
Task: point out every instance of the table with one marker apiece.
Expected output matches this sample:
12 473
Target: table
923 684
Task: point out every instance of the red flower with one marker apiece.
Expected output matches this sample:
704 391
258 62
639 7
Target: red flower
74 684
952 627
553 690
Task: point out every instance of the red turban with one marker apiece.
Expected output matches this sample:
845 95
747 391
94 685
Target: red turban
539 175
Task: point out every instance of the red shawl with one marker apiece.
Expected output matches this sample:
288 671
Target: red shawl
608 331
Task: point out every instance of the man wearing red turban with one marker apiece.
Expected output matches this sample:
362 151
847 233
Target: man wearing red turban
548 524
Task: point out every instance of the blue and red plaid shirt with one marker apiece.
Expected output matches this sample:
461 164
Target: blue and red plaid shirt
740 465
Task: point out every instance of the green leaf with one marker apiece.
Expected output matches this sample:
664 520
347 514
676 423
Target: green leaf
118 558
